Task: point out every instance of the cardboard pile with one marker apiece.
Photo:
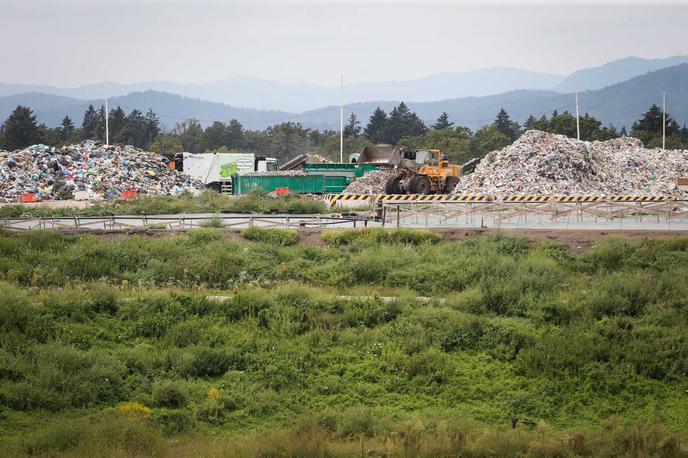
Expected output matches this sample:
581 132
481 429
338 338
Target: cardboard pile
88 170
540 163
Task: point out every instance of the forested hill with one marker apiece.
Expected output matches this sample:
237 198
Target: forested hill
619 105
615 72
171 108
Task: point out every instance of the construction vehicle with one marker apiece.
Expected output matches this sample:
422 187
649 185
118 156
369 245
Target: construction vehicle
216 170
423 172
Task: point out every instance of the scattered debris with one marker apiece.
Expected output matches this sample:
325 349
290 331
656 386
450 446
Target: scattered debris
288 173
371 183
540 163
317 159
88 170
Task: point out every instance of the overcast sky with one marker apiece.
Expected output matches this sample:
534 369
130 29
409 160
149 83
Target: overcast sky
71 43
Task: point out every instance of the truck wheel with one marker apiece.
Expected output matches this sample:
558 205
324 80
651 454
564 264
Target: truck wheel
214 186
450 184
393 185
420 184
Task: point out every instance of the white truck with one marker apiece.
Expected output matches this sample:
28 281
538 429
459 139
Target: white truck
215 170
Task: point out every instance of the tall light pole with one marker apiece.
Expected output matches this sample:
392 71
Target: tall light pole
107 112
341 119
577 120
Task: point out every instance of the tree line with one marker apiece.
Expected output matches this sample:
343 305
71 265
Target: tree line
400 127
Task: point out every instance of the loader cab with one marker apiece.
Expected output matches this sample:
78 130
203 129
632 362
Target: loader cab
432 158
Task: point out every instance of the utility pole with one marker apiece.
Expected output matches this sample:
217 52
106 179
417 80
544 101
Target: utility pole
341 119
664 120
107 112
577 118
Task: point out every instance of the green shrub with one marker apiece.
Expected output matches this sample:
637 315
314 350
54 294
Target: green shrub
174 422
215 222
355 422
105 433
344 237
62 377
170 394
279 237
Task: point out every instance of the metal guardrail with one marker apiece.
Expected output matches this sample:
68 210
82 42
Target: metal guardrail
182 222
612 213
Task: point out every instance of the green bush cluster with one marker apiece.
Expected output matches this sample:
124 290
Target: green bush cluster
279 237
208 202
304 343
375 236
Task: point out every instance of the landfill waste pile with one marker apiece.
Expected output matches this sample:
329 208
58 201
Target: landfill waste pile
89 170
317 159
540 163
371 183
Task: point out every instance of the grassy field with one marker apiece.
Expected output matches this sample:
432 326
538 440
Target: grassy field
206 344
208 202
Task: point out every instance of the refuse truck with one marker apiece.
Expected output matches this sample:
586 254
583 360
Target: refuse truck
216 170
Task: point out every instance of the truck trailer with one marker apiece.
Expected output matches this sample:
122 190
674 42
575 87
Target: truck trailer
215 170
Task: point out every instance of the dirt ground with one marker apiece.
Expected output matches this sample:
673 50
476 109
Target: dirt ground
578 240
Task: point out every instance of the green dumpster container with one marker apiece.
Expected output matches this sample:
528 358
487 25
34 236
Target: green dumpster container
297 184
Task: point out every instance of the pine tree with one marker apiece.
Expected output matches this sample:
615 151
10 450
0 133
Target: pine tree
235 134
20 129
152 127
135 129
652 122
623 131
66 128
216 135
352 128
530 122
376 130
101 123
442 122
506 126
89 126
116 120
402 123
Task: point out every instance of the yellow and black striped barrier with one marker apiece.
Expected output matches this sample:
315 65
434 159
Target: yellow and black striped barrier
404 198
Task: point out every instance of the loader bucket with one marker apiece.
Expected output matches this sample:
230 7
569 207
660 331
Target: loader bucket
380 154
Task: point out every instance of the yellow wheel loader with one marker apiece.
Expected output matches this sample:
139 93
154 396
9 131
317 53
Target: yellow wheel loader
429 172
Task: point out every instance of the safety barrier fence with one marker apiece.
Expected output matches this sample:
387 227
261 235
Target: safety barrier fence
182 222
651 212
334 199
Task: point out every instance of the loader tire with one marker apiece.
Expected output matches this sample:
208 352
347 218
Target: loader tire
420 184
393 185
450 184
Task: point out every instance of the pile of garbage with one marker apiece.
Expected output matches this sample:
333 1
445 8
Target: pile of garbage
317 159
540 163
89 170
371 183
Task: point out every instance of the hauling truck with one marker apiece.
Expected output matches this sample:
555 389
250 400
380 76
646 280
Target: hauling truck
425 172
216 170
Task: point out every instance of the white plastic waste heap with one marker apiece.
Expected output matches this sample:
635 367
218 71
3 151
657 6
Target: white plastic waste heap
371 183
540 163
89 169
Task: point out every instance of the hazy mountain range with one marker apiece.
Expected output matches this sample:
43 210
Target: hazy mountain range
617 93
